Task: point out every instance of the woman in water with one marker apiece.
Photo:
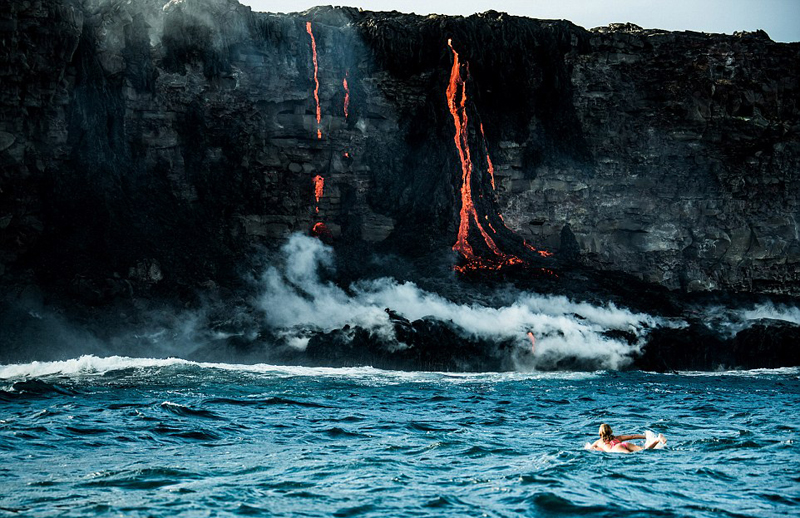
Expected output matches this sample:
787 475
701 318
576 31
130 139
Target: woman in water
615 443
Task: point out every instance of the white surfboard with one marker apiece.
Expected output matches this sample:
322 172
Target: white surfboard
650 437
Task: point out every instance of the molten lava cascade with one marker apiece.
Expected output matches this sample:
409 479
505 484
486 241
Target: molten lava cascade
346 95
316 77
319 187
468 211
488 158
533 341
543 253
319 229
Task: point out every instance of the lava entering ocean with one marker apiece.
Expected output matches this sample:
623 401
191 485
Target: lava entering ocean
316 77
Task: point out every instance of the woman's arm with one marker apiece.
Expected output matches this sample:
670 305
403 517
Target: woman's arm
630 437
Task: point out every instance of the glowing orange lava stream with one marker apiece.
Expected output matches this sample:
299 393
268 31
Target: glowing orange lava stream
320 231
316 77
543 253
468 210
319 188
346 95
488 158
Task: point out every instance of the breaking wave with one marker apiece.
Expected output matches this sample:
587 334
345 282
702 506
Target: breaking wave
89 366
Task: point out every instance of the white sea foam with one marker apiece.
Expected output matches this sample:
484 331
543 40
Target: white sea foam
93 366
295 299
752 373
781 312
85 365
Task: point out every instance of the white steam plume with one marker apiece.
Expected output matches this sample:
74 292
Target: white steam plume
296 300
729 321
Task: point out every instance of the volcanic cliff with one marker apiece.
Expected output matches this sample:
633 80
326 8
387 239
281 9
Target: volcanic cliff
149 150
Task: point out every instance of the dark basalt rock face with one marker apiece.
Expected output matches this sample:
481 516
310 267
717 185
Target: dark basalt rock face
424 344
149 150
766 344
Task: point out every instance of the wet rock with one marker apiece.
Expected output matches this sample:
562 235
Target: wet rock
767 344
694 347
425 344
763 344
6 140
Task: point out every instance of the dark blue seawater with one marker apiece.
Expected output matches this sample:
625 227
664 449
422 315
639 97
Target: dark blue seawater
123 437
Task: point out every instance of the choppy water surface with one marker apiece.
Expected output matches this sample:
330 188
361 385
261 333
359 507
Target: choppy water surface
171 438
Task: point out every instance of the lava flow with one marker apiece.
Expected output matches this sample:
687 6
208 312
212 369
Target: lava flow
316 77
321 231
468 211
488 158
543 253
319 187
346 95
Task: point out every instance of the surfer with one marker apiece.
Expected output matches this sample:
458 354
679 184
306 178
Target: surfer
609 442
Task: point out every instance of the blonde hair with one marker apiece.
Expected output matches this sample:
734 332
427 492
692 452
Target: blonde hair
605 432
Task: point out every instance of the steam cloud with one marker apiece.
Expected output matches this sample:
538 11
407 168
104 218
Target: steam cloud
296 301
728 321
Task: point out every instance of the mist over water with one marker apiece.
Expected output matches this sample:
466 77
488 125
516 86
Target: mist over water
298 300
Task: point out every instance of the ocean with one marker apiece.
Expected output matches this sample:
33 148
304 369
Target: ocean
132 437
